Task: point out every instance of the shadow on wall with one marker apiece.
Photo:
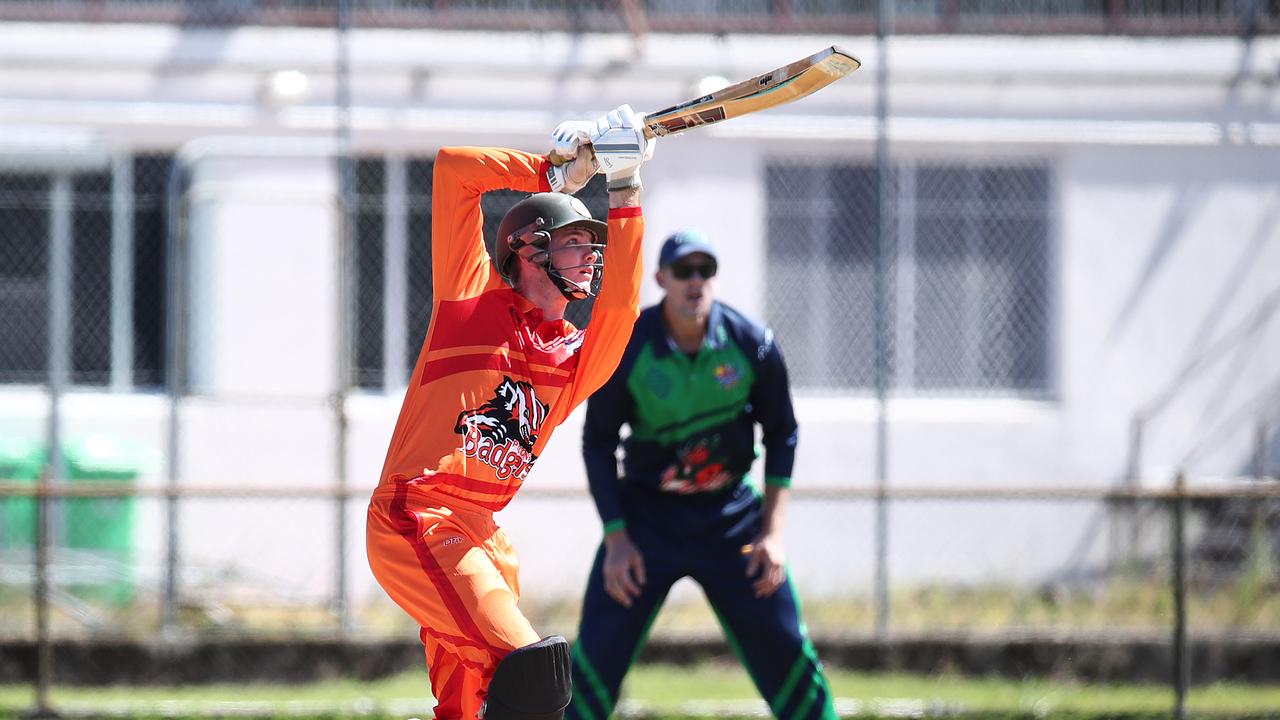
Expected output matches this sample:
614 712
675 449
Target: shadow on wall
1240 539
1211 346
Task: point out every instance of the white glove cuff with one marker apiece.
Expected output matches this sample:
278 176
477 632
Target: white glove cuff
557 178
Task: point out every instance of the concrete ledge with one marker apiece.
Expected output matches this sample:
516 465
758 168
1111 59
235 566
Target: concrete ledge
1109 658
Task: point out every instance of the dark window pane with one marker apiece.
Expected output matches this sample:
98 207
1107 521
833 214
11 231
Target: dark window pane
24 259
971 246
822 245
91 279
982 289
369 284
420 293
851 269
150 268
945 239
1015 253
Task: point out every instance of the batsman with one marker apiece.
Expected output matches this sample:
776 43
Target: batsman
499 369
697 378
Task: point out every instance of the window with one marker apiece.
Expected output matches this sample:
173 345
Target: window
393 263
967 281
110 221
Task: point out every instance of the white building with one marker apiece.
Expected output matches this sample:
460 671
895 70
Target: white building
1106 240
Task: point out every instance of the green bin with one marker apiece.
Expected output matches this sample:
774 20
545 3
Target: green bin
101 529
20 462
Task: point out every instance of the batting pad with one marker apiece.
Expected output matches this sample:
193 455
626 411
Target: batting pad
532 683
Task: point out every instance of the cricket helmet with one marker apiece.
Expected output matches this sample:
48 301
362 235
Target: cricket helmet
531 222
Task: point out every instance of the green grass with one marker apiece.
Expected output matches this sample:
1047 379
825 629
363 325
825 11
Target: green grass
671 692
1251 604
1128 601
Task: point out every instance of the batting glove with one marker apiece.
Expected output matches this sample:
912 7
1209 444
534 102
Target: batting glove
569 135
621 147
572 163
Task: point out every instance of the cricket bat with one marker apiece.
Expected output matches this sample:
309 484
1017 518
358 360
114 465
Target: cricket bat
776 87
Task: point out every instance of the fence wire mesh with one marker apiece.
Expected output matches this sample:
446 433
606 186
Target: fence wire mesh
964 289
101 229
969 292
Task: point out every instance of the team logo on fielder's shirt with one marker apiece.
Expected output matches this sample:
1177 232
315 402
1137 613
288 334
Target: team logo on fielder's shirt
727 375
501 433
696 469
658 382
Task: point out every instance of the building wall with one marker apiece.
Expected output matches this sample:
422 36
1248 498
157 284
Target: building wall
1165 246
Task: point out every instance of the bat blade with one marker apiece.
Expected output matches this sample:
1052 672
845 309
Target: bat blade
777 87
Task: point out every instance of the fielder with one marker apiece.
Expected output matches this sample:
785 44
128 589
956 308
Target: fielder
500 368
696 379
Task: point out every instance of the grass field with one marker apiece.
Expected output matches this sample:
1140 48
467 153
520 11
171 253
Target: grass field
663 691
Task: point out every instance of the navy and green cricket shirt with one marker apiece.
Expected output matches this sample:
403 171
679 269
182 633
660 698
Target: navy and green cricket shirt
692 419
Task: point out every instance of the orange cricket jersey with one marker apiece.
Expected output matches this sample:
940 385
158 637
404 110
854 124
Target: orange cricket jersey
493 379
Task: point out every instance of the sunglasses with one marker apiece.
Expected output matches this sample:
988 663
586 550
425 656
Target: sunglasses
684 271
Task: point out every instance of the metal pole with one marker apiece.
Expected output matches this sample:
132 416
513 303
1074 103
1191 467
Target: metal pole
346 206
1180 664
1124 513
1260 450
59 277
121 273
175 334
884 20
44 644
395 274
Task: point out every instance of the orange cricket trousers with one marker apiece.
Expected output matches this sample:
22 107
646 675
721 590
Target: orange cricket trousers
454 571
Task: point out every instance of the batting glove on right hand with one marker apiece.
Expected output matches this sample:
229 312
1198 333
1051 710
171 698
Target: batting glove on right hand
621 147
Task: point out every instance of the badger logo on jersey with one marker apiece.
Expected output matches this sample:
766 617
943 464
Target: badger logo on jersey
514 413
696 469
502 432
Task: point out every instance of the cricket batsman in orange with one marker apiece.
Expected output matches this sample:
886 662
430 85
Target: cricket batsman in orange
501 368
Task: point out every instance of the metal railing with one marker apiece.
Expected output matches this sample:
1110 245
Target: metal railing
1018 17
1178 500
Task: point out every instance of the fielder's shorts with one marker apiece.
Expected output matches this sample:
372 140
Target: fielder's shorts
454 572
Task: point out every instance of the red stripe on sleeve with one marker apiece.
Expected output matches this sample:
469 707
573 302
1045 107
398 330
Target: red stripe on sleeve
625 212
444 367
543 168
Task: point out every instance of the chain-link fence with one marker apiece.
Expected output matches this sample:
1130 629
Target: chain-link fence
970 296
217 334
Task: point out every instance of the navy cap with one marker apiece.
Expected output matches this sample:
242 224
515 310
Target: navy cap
683 244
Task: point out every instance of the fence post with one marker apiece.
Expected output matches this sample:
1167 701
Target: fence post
346 205
884 28
1260 450
1180 663
176 359
44 644
59 276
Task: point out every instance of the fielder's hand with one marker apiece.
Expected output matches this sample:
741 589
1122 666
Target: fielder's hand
623 568
766 563
621 147
572 161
